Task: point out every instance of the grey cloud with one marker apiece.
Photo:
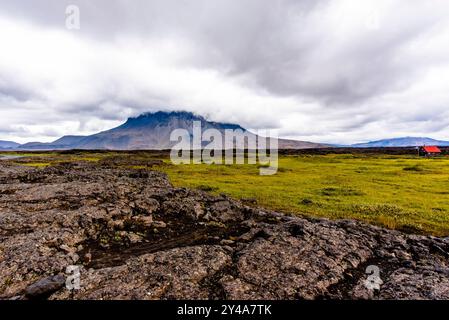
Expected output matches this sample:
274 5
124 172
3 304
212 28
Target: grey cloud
280 45
15 89
284 49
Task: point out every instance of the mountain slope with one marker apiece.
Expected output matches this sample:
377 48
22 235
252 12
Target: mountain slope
68 140
402 142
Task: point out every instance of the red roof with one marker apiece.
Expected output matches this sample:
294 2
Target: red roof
432 149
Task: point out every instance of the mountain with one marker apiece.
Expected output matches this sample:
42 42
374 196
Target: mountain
402 142
8 144
150 131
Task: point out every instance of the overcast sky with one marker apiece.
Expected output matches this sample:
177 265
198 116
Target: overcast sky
337 71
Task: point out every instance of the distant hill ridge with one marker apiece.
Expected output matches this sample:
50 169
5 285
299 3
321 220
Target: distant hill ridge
8 144
402 142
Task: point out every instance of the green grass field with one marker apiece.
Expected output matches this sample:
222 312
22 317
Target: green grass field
400 192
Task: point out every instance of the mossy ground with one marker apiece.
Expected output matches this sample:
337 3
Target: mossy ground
399 192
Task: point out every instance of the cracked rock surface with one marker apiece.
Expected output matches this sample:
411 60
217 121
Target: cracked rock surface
134 236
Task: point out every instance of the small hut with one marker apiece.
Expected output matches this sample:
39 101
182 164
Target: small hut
429 151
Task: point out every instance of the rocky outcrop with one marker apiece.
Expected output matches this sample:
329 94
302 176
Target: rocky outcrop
134 236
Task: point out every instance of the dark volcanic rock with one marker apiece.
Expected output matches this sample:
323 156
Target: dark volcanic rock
45 287
134 236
